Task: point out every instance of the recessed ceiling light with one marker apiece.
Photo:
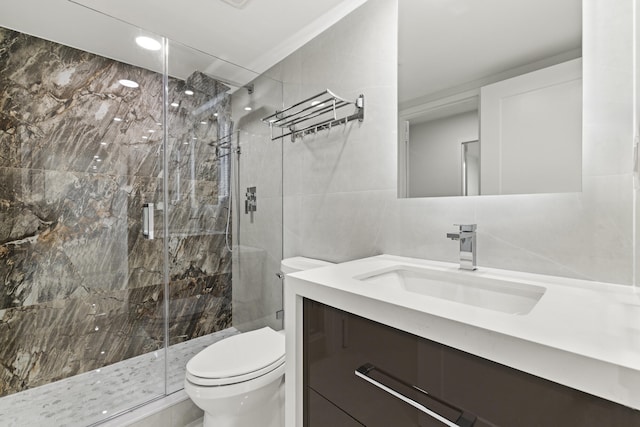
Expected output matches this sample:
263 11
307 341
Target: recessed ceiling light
128 83
96 157
175 104
98 160
117 119
148 43
103 143
188 92
145 137
215 114
203 123
247 108
151 131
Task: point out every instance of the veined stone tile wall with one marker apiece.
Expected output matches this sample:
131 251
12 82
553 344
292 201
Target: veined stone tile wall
79 156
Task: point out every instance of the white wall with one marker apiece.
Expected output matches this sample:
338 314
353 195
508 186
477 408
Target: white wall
340 190
435 154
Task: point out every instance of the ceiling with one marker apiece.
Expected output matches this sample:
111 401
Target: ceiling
234 44
254 36
442 43
463 44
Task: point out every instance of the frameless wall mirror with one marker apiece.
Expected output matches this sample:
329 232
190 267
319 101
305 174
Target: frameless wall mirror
490 97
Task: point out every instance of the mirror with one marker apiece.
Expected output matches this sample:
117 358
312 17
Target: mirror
489 97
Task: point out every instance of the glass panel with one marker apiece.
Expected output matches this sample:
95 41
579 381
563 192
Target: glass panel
636 127
82 301
203 154
258 232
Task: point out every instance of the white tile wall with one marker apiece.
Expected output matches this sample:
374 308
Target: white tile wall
339 189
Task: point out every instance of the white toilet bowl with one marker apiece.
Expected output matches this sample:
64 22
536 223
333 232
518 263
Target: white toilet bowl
239 381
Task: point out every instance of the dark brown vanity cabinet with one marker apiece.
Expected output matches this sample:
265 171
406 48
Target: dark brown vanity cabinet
400 372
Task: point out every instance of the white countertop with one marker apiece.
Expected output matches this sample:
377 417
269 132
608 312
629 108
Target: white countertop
582 334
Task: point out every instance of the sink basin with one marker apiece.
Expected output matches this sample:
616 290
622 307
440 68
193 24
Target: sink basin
462 287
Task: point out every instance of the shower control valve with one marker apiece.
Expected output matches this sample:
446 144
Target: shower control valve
250 203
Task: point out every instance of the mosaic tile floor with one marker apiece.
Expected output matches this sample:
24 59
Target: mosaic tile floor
89 398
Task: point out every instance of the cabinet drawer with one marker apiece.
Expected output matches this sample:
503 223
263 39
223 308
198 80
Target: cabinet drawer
322 413
337 343
509 397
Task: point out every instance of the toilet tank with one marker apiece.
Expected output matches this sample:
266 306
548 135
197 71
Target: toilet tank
299 263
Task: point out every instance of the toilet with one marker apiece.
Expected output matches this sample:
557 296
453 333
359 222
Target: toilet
239 381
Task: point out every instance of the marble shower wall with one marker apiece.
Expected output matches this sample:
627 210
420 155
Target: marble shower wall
79 156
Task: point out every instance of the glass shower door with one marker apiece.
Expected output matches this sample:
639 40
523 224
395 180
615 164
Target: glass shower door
118 237
82 299
200 152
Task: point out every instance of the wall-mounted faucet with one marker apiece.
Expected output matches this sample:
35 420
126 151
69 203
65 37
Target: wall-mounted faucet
467 238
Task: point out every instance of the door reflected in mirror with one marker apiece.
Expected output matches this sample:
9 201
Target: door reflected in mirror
471 168
490 97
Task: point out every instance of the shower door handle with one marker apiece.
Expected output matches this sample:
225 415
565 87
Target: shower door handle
147 220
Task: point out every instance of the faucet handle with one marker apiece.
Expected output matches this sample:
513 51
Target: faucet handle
467 227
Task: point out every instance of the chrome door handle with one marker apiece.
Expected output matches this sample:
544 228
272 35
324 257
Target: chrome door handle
147 220
465 419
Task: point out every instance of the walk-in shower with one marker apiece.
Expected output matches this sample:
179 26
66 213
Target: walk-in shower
98 316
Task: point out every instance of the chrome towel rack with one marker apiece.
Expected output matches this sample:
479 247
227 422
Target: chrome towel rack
314 114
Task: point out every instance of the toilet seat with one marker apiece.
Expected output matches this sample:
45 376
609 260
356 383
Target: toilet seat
237 359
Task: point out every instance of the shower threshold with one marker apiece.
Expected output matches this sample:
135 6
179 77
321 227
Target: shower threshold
92 397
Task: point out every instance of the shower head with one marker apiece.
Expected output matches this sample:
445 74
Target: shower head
203 83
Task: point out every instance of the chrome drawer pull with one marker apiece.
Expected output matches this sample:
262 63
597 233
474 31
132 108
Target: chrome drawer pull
464 420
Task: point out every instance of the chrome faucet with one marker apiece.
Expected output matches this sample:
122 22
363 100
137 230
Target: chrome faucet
467 238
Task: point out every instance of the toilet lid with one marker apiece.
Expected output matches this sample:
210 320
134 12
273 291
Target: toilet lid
244 355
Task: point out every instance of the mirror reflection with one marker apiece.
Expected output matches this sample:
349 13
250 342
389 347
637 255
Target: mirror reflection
490 97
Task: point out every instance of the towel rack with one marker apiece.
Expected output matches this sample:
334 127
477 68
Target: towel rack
314 114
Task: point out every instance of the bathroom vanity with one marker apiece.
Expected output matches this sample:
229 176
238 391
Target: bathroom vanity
371 338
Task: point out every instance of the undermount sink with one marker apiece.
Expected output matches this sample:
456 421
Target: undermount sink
463 287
